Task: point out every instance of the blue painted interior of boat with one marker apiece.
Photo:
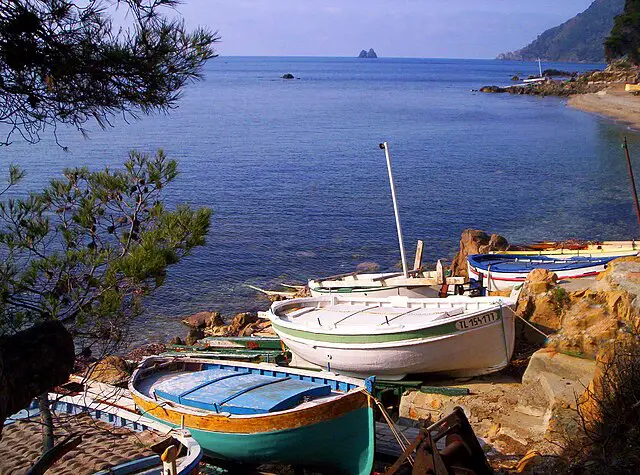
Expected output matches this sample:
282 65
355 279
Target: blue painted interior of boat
511 263
335 385
239 392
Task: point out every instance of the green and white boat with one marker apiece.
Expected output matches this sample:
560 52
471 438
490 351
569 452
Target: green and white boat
395 336
262 413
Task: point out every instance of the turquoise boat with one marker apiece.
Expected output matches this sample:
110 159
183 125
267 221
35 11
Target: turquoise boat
262 413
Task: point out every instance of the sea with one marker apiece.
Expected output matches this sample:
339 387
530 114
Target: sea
299 186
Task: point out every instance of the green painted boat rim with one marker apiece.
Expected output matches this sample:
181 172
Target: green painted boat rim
358 289
447 327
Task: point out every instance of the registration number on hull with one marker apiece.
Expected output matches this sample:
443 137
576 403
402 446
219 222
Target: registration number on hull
477 321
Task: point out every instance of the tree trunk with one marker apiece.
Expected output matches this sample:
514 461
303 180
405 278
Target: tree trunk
46 420
32 362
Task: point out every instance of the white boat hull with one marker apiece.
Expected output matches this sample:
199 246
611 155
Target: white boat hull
506 280
347 340
472 353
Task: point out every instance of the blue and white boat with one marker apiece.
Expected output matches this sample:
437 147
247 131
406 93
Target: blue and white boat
501 272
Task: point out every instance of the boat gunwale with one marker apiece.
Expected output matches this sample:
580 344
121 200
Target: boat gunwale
496 304
572 263
399 343
239 419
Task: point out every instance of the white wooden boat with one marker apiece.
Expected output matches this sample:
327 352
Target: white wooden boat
396 336
416 284
502 272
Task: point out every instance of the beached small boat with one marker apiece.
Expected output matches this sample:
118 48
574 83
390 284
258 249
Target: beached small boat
396 336
104 412
417 284
261 412
576 248
501 272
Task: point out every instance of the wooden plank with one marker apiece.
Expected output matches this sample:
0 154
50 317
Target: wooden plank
271 292
387 276
386 443
338 276
417 263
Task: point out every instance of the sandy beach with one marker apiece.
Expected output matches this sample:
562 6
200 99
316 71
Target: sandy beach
613 102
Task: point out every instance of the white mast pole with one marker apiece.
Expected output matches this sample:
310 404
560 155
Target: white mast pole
540 67
385 147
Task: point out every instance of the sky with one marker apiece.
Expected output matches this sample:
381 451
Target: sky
394 28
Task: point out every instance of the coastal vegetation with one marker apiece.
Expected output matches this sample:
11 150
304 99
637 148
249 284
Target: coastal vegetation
78 257
624 40
579 39
65 62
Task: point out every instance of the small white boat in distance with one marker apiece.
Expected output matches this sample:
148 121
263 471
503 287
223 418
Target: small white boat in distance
395 336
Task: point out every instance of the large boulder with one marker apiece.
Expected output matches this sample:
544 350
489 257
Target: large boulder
472 242
510 416
203 319
583 321
110 370
195 334
540 280
541 303
241 320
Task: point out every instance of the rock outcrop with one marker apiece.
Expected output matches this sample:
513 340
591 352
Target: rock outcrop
512 416
110 370
368 54
203 319
587 320
243 324
472 242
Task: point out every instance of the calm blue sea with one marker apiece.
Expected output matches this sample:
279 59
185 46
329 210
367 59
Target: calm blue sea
299 187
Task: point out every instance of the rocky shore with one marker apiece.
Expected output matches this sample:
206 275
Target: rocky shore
585 83
599 92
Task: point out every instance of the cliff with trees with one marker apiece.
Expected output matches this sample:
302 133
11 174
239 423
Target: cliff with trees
579 39
624 40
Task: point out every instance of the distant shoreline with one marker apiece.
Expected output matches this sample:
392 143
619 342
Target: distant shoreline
613 103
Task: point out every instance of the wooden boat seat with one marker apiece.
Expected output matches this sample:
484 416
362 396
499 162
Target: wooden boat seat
238 392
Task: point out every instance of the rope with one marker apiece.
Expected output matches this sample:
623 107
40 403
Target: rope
532 326
402 440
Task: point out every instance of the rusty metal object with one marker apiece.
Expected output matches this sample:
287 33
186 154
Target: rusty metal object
460 455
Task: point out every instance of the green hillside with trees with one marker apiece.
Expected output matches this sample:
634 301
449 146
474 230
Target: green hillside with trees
624 39
580 39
